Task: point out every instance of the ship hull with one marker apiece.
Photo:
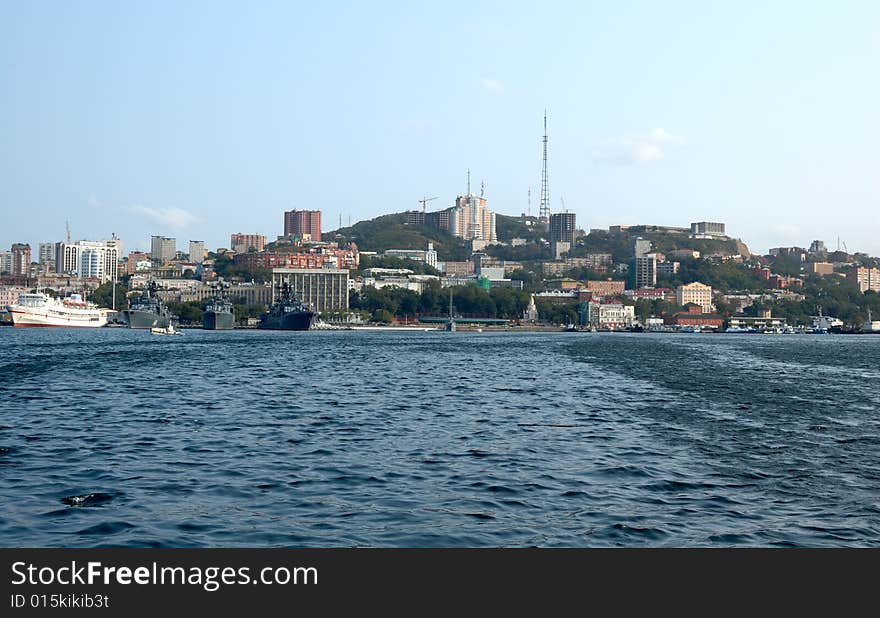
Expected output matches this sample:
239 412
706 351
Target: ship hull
145 319
212 320
289 321
22 317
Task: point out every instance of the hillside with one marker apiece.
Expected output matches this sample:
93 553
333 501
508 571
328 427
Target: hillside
392 232
620 246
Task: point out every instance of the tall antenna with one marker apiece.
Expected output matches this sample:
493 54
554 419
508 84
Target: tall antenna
67 225
545 181
529 203
482 188
469 182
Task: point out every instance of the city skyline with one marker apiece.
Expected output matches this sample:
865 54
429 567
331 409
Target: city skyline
124 120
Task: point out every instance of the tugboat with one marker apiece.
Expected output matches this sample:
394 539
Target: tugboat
148 310
219 314
287 313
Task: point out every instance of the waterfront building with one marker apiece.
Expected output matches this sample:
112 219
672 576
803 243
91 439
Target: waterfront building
242 243
707 228
694 316
21 259
610 315
321 289
760 322
865 278
695 293
197 251
163 249
305 224
5 262
9 294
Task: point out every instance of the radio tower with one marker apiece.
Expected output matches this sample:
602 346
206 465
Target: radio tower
545 181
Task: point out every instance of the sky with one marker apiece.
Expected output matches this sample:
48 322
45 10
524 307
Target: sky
200 119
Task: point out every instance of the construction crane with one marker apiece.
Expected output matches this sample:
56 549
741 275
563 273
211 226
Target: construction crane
424 202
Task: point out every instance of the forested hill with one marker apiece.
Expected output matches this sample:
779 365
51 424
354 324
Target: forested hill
392 232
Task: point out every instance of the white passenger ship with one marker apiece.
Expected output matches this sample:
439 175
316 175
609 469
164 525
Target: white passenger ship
42 310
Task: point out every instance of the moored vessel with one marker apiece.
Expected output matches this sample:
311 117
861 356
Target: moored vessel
286 313
870 326
39 309
219 313
148 310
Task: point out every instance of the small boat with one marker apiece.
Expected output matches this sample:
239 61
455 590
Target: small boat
168 330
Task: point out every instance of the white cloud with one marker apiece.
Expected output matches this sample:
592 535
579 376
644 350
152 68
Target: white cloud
493 85
787 231
634 150
176 219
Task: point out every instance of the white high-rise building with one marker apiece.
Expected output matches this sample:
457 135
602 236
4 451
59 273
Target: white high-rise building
431 256
89 259
471 219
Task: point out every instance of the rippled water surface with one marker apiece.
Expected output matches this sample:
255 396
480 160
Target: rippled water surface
249 438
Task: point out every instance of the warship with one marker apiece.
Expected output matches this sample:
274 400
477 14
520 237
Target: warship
219 314
287 313
148 310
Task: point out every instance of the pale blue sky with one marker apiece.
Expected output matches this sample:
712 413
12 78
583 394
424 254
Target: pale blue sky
201 119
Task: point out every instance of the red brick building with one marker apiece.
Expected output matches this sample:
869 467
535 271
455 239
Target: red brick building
280 260
303 222
694 317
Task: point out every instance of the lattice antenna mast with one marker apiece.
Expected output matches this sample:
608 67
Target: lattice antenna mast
545 181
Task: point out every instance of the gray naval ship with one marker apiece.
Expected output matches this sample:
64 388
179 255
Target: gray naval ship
148 310
287 313
219 314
